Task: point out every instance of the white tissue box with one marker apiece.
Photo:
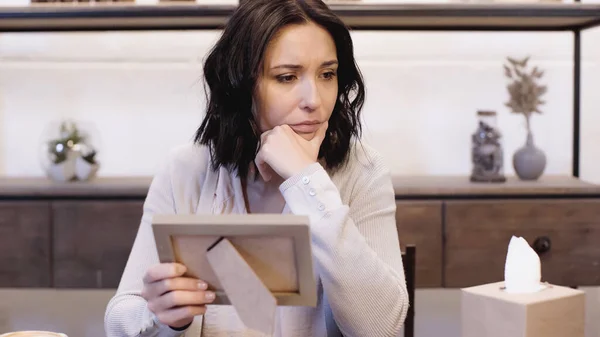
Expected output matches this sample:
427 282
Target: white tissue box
489 311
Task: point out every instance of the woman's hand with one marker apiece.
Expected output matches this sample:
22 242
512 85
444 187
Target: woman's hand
174 299
286 153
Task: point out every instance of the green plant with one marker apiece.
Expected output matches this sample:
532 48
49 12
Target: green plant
524 90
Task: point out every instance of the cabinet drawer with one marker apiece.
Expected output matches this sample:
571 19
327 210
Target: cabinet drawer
420 224
25 244
478 232
92 241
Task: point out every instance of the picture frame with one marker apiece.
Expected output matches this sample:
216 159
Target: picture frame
277 247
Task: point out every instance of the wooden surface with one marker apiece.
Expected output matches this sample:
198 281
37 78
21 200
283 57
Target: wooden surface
478 233
92 241
105 186
25 244
271 257
404 186
420 224
455 186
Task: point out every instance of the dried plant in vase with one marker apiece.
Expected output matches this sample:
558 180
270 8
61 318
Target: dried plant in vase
525 95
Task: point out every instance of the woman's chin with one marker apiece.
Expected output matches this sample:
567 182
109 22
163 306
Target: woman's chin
306 135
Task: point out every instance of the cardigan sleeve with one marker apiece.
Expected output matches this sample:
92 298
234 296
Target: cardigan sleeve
355 247
127 313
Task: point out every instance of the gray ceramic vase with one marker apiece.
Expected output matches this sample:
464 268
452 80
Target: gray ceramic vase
529 161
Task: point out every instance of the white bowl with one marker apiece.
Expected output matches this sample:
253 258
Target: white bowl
32 333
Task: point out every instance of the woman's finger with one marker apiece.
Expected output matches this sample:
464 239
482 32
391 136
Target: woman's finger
163 271
159 288
179 298
173 316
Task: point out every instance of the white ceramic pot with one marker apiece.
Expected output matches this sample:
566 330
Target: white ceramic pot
84 170
62 172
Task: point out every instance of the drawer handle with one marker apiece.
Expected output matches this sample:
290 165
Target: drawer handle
542 245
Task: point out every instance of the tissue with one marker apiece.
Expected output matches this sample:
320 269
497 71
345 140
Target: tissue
522 271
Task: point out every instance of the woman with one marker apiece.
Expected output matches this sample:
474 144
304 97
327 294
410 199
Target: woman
279 136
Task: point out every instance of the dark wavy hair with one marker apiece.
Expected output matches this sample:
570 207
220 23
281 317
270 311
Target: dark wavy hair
234 65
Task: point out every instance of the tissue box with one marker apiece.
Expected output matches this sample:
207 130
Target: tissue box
489 311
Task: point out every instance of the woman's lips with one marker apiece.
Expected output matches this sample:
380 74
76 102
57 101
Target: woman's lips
306 127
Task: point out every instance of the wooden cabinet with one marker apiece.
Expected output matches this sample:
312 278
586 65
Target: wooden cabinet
92 241
25 244
419 223
68 235
565 233
79 235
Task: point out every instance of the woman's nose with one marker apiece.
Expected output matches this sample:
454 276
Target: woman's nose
311 98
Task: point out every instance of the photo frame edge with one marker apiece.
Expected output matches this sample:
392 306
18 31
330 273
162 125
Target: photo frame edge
165 226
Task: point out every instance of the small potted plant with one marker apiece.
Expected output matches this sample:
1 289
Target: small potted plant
69 155
525 95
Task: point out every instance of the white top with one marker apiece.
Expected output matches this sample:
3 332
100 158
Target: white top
356 253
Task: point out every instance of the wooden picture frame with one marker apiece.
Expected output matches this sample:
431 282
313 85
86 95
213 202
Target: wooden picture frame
275 246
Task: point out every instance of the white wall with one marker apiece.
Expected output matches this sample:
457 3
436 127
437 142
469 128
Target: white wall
143 92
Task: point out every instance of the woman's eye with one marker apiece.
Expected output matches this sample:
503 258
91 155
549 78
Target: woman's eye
285 78
329 75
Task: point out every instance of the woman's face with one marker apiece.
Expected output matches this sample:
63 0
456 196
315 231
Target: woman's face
298 85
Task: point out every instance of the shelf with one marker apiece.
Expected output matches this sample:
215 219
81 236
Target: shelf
457 17
104 187
459 187
405 187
